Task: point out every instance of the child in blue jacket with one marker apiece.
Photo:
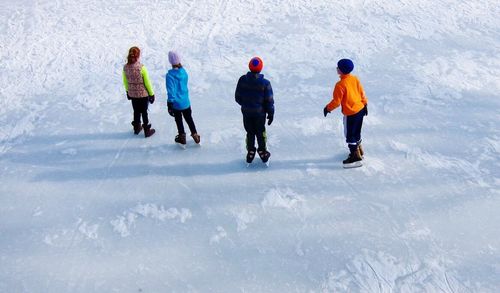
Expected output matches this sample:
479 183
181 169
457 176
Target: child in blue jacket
178 98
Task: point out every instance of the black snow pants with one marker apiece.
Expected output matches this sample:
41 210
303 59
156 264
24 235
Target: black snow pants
255 127
186 113
140 106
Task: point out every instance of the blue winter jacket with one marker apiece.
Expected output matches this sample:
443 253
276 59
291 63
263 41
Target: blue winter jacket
177 90
255 95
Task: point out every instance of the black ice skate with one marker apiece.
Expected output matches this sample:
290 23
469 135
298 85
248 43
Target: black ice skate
354 160
264 156
250 156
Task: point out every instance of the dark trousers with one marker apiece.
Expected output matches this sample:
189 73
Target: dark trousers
186 113
353 124
140 106
255 127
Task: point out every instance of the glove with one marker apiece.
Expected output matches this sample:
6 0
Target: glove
128 97
170 107
366 110
151 99
270 119
325 111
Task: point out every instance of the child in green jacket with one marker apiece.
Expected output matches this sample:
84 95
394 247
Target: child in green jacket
139 91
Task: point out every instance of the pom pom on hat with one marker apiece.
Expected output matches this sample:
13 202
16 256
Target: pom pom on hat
255 64
174 58
345 66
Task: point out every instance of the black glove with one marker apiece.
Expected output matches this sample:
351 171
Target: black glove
325 111
270 118
170 107
128 97
151 99
366 110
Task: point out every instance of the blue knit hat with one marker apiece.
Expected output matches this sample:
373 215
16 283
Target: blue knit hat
345 66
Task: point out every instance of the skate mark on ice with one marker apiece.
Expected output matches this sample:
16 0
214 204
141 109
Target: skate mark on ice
181 20
124 223
283 198
217 237
380 271
313 126
243 217
469 171
66 238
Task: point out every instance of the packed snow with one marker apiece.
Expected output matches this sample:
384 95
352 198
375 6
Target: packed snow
86 206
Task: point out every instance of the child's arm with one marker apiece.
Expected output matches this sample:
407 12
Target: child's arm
147 82
269 99
169 83
125 81
338 94
237 93
364 100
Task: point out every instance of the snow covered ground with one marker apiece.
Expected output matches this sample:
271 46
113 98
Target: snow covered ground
86 206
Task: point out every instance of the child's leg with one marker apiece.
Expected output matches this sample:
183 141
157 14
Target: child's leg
137 110
353 124
178 121
189 120
358 126
260 125
144 111
250 129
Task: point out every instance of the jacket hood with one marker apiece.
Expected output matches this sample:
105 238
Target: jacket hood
178 73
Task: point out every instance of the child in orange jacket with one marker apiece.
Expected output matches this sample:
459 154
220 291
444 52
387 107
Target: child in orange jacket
349 94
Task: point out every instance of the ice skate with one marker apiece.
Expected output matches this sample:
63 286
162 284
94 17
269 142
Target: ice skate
137 127
264 156
180 139
148 131
250 156
361 152
196 137
354 160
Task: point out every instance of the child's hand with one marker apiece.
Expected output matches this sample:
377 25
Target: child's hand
270 119
325 111
170 107
151 99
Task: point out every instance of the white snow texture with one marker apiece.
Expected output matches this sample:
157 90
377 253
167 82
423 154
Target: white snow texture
86 206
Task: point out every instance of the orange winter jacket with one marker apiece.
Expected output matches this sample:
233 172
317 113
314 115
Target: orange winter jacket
349 93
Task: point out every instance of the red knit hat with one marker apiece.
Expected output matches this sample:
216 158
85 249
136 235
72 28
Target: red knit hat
255 64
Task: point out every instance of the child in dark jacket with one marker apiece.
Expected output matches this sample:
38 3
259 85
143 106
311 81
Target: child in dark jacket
349 94
139 91
255 96
178 102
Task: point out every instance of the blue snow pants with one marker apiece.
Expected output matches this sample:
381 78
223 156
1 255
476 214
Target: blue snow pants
352 128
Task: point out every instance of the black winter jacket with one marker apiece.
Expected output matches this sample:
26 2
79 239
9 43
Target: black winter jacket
255 95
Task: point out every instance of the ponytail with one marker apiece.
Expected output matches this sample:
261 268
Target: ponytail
133 55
